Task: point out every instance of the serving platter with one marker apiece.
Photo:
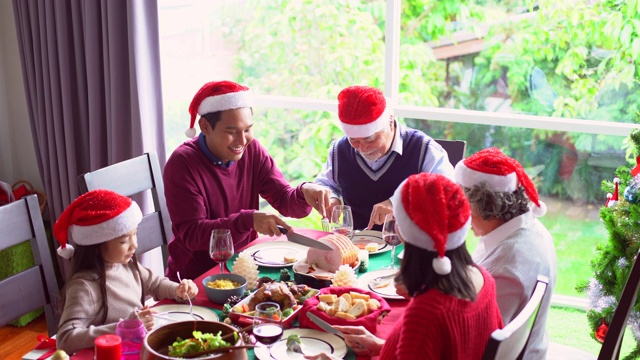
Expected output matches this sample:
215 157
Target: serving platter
387 289
313 342
180 312
362 238
271 254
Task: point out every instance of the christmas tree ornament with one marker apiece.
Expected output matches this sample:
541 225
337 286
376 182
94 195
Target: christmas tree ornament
245 266
631 192
345 276
614 199
601 333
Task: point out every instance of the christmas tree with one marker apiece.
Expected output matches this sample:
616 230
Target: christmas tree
612 264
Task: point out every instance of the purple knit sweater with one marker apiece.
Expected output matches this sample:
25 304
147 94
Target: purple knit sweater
202 196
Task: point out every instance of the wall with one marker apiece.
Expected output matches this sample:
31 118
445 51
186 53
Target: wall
17 154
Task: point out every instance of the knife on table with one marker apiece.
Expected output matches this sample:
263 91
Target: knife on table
303 240
324 325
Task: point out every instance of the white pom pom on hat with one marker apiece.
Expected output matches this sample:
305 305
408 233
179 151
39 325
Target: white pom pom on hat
217 96
432 213
500 172
362 111
95 217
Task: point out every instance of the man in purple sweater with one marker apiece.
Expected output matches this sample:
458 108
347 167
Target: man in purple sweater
214 181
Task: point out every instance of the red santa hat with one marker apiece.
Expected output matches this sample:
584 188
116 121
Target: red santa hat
432 213
218 96
95 217
363 111
500 172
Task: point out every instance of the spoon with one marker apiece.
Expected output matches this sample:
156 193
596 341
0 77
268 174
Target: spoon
188 298
382 280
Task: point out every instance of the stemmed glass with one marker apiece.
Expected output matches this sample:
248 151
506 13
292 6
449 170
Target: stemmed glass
391 237
267 324
342 220
221 246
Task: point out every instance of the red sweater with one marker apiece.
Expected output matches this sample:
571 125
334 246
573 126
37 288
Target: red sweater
439 326
202 196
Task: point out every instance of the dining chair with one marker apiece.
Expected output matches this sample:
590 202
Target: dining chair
612 341
36 286
456 149
510 342
134 176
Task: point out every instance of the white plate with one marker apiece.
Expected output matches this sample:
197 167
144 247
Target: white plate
401 255
180 312
271 254
313 342
387 292
368 236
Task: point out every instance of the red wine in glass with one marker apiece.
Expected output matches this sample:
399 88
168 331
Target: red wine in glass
267 333
221 246
392 239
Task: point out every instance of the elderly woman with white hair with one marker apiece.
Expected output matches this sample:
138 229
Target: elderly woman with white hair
453 309
514 246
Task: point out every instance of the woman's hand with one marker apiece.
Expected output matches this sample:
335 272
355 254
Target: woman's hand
361 341
145 315
187 289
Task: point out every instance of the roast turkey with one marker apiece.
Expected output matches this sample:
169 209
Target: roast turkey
344 252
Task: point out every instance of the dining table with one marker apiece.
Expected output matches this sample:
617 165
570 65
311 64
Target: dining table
376 262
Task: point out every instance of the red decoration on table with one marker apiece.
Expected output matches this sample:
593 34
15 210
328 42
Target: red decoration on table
636 170
108 347
369 321
46 342
601 333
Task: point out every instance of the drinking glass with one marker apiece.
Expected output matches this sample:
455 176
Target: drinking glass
342 220
132 332
221 246
391 237
267 324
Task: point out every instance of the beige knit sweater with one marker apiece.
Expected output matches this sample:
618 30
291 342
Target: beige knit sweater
79 324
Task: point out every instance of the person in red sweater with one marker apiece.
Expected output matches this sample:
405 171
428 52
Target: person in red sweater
215 181
453 308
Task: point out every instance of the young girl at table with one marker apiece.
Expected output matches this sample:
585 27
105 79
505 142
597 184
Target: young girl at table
107 284
453 308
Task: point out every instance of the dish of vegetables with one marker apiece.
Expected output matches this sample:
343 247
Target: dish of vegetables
198 343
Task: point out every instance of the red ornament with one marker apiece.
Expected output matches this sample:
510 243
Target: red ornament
601 333
636 170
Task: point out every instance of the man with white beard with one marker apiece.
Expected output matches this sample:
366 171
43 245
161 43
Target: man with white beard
376 154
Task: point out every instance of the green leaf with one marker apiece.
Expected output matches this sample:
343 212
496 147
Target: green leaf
635 49
625 34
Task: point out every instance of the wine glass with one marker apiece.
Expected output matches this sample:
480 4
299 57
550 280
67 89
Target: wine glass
267 324
391 237
342 220
221 246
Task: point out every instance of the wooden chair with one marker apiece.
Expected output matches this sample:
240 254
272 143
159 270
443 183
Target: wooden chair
612 341
131 177
37 286
456 149
510 342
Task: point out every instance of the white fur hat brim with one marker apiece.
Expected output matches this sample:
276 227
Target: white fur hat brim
230 101
115 227
366 130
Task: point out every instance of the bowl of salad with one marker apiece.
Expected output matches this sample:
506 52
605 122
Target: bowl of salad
178 339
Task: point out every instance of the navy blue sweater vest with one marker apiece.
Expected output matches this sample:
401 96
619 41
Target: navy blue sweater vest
363 187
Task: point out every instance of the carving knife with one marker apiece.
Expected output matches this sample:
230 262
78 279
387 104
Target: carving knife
303 240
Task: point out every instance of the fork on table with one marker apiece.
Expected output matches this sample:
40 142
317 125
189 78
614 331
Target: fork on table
188 298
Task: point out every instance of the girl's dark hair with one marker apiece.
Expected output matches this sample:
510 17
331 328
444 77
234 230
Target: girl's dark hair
497 205
418 275
89 258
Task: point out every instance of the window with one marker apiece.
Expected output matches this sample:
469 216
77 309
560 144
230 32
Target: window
542 81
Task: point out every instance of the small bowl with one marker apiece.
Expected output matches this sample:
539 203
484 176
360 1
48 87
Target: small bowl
156 343
220 296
